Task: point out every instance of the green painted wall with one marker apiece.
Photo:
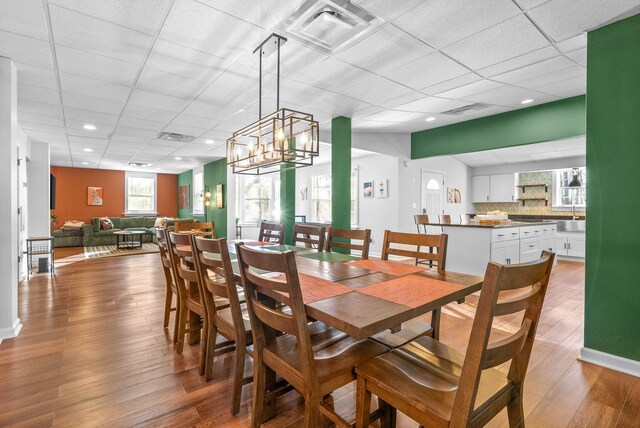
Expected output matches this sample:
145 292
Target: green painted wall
216 173
612 305
341 172
545 122
288 201
184 179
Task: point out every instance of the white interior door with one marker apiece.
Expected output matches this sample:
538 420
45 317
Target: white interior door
432 197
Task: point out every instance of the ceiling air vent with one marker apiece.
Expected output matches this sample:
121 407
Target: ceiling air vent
172 136
329 25
464 109
141 164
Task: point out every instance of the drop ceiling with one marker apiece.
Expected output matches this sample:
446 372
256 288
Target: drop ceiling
137 68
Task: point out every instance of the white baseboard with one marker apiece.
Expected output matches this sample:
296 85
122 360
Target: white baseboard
610 361
9 332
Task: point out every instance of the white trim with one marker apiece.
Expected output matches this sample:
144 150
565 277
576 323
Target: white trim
14 331
610 361
128 174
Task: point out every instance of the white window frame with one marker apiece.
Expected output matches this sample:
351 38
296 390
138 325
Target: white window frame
135 174
557 194
274 209
198 203
314 199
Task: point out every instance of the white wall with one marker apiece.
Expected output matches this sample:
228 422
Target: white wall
38 176
9 321
544 165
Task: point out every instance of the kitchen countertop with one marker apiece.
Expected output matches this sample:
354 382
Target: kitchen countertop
495 226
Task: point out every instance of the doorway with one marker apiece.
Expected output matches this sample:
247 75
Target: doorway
432 196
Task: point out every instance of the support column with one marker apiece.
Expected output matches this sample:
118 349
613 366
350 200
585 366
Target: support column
613 232
288 202
341 172
9 321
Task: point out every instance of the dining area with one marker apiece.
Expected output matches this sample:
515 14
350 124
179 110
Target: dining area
319 314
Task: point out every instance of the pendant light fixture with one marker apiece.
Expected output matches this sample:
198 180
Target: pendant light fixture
282 140
575 180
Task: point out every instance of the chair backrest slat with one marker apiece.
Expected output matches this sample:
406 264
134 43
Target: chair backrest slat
420 247
340 238
271 232
201 228
504 350
309 235
444 218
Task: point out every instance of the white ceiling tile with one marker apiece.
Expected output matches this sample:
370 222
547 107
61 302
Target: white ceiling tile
148 113
35 76
134 132
510 96
92 117
205 109
25 50
39 95
265 13
561 19
511 38
566 88
40 118
530 4
156 100
218 136
579 56
447 85
96 66
91 104
333 74
133 122
40 108
386 49
93 88
432 105
519 61
573 43
205 29
396 116
185 130
183 61
127 139
142 15
89 34
376 90
75 127
535 70
471 89
24 17
389 11
164 146
394 102
338 104
427 71
443 22
194 121
171 84
295 58
557 76
79 140
42 127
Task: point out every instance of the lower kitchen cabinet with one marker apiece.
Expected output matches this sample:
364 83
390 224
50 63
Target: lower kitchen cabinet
570 244
505 252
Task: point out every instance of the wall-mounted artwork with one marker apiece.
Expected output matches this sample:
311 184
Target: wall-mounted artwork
94 196
383 188
453 195
367 189
183 196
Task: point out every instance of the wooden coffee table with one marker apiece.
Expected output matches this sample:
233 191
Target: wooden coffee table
126 239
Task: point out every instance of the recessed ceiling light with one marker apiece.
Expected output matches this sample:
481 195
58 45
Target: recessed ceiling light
89 127
178 158
85 163
88 150
209 141
430 119
527 101
158 169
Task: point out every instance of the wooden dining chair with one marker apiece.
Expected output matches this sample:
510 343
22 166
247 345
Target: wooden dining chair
191 309
217 283
342 238
314 361
412 245
436 386
271 232
465 218
421 220
172 290
444 218
205 229
310 236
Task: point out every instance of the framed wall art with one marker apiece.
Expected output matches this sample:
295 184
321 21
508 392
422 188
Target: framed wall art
94 196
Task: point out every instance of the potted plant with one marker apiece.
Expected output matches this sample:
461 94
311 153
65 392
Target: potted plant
237 220
54 219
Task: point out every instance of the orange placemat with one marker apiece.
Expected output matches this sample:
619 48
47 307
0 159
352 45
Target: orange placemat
314 289
411 290
257 243
388 267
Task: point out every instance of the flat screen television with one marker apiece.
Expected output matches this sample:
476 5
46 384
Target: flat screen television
52 192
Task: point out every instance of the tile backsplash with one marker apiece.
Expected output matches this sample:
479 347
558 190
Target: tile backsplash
530 207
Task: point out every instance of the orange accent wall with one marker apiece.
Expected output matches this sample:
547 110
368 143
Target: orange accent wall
71 194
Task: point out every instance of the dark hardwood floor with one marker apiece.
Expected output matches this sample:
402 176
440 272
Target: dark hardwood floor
93 352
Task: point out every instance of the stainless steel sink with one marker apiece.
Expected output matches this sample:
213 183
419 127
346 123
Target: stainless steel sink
571 225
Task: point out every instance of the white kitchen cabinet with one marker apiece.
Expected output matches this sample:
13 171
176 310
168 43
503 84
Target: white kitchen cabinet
570 244
502 187
480 188
506 252
529 249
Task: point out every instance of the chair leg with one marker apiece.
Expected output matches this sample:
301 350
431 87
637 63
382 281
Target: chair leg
515 411
259 392
182 325
212 334
167 307
389 414
204 345
435 323
176 322
363 403
312 414
238 376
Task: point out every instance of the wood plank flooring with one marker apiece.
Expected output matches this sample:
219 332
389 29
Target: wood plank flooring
93 352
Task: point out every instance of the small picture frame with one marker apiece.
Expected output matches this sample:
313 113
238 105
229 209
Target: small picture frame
383 188
94 196
367 189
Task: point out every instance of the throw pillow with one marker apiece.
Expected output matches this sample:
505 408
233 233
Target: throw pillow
106 224
160 222
72 225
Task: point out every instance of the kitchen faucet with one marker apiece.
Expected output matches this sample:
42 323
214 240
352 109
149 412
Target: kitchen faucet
573 212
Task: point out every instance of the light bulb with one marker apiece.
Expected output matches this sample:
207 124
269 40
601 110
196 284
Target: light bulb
280 134
304 138
208 194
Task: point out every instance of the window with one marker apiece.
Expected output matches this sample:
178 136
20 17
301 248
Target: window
140 193
256 199
354 197
198 187
565 196
321 198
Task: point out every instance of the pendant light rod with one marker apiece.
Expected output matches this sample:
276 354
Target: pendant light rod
272 43
278 80
260 90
